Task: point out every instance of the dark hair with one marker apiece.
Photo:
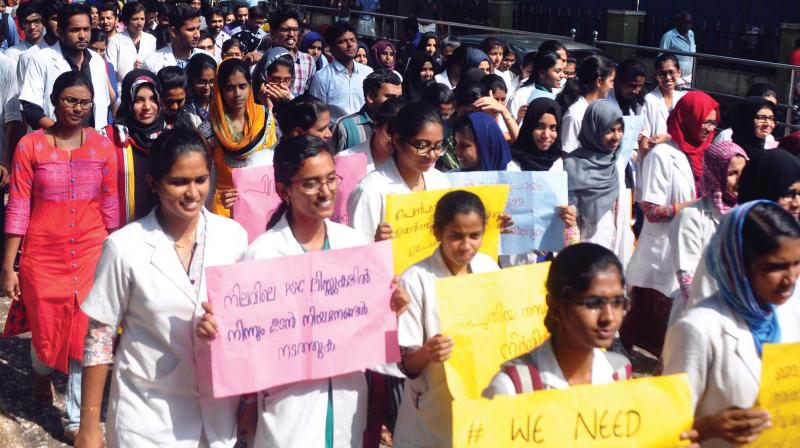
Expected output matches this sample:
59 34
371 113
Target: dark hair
26 9
55 7
551 46
336 31
302 112
213 11
630 69
282 15
762 89
171 78
528 59
589 70
239 6
256 12
573 270
455 203
457 58
468 91
764 224
572 61
290 154
463 125
67 80
173 144
410 25
412 118
182 13
198 64
494 82
108 6
373 81
131 8
232 42
98 35
388 111
492 42
204 34
664 57
423 41
542 62
66 13
230 66
437 94
413 83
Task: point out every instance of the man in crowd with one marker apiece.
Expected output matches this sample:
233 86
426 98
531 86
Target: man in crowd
356 128
184 22
681 38
109 17
285 32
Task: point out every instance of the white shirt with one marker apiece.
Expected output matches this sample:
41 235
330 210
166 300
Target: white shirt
442 78
43 69
9 104
367 202
550 372
424 418
362 148
122 52
161 387
571 125
558 165
218 41
656 112
165 58
294 415
519 99
508 77
341 90
666 179
716 349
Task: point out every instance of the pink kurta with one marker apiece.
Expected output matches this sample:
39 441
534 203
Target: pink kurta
63 202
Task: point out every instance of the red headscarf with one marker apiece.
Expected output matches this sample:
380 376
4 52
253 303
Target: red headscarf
684 125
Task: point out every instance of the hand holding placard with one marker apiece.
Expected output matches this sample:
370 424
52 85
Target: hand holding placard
780 395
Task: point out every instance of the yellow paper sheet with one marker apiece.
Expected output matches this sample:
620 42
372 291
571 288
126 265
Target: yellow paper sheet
647 412
492 318
411 217
780 395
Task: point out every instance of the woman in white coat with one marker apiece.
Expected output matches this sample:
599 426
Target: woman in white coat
659 102
424 419
323 413
417 137
127 50
755 259
670 175
150 282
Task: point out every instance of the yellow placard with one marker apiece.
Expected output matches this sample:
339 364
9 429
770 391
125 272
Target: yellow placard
646 412
491 317
780 395
411 217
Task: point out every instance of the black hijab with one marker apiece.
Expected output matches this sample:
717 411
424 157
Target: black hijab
744 125
142 135
524 151
768 175
412 84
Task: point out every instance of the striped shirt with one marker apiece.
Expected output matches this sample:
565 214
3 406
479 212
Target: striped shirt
352 130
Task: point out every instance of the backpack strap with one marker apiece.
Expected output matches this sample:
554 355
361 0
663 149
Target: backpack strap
525 377
623 370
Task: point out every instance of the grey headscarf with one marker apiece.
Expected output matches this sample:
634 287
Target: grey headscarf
591 169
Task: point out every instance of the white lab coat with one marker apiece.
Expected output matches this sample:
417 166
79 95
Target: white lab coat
666 179
613 231
715 348
656 112
122 53
367 202
424 418
43 69
571 125
161 388
294 415
362 148
165 58
518 99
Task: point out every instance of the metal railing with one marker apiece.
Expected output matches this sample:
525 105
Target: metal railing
790 106
447 29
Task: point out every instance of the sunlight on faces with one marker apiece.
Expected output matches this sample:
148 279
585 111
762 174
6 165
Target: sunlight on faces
431 134
791 200
135 24
708 125
188 35
466 150
203 87
735 168
764 123
546 132
173 101
99 47
361 56
145 106
216 24
604 86
345 46
552 77
313 189
322 127
667 75
73 116
773 276
235 92
461 239
496 56
77 32
184 190
613 137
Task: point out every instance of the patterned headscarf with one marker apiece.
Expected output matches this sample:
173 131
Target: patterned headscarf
726 263
717 159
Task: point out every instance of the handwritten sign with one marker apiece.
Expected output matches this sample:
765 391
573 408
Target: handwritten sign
532 204
492 318
411 217
630 139
258 198
646 412
304 317
780 395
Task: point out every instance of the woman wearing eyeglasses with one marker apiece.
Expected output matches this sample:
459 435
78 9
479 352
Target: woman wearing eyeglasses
330 410
417 136
63 201
201 72
753 125
659 102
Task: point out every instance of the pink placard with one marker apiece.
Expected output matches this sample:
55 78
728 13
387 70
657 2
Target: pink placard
303 317
258 198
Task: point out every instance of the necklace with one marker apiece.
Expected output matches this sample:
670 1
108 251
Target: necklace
236 135
55 140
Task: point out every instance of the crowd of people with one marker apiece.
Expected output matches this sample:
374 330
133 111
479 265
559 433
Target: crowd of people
123 125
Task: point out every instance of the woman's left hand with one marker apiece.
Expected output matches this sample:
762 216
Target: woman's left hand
400 298
207 327
568 214
228 197
489 104
505 223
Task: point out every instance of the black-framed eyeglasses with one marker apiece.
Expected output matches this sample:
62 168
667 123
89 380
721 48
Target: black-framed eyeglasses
790 194
425 149
765 119
596 304
289 30
72 102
